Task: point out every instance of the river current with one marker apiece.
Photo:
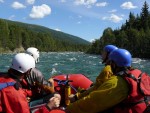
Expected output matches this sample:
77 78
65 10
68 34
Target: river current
54 63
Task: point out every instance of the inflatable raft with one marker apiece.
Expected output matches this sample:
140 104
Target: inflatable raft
66 84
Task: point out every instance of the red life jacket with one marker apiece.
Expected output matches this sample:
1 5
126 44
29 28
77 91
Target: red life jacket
138 100
12 97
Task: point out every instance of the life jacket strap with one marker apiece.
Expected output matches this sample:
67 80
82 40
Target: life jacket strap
6 84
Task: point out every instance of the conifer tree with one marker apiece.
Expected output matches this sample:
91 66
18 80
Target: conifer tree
144 16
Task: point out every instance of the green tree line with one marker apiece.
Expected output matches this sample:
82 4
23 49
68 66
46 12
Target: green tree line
20 35
134 35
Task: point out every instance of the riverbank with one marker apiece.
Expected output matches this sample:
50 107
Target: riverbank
6 50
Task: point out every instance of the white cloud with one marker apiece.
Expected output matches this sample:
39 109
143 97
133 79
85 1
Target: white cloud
114 18
128 5
40 11
17 5
79 2
101 4
11 17
92 40
57 29
112 11
30 1
87 3
2 1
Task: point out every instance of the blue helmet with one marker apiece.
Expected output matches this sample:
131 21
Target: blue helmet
109 48
121 57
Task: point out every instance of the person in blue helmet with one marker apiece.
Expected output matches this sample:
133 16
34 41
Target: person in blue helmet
106 51
136 84
104 75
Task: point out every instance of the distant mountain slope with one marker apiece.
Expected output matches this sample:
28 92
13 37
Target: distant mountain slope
55 34
22 35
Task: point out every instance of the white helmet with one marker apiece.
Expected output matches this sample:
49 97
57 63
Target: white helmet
22 62
34 52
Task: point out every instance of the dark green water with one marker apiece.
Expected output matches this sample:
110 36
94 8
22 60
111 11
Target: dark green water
54 63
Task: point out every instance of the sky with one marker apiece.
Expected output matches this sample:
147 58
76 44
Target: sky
86 19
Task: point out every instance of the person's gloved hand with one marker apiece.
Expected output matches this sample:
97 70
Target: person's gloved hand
56 95
54 102
28 99
51 81
72 98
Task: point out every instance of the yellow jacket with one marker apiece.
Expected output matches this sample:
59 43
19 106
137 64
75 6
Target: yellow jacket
108 91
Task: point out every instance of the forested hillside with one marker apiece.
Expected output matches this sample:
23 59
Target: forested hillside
15 35
134 35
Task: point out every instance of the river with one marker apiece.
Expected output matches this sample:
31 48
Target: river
53 63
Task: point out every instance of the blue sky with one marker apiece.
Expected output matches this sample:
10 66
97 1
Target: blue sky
84 18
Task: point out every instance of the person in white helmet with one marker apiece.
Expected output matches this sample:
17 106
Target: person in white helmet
35 83
34 52
12 96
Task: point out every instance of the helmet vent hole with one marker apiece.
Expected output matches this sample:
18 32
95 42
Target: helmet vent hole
19 67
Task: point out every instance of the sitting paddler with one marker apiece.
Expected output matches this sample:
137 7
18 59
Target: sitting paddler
126 90
104 75
38 89
12 96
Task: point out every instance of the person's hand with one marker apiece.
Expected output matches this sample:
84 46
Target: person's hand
50 80
56 95
54 102
72 98
28 99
